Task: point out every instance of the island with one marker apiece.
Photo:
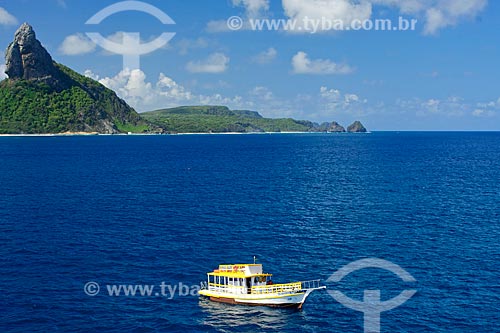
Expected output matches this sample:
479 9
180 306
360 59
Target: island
221 119
356 127
41 96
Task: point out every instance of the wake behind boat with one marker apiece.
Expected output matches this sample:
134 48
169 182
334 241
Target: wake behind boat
247 284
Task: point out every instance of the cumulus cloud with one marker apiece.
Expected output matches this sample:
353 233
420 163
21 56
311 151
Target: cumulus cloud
145 95
2 72
215 63
76 44
432 105
436 14
483 113
486 109
334 101
301 64
332 10
449 13
134 87
449 107
7 18
326 104
266 56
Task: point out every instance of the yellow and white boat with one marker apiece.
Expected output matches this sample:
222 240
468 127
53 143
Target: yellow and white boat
247 284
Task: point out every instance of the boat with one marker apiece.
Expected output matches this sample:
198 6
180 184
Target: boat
247 284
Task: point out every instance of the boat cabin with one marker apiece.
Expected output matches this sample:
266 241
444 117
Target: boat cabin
238 278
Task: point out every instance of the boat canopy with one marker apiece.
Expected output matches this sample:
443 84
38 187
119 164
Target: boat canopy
239 270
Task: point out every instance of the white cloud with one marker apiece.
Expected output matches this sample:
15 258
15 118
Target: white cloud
478 112
253 8
432 105
449 107
330 94
301 64
134 88
449 13
266 56
483 113
486 105
2 72
326 105
262 93
333 101
143 95
7 18
436 14
76 44
215 63
331 10
351 98
486 109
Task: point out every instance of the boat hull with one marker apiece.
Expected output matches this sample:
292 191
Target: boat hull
242 302
294 300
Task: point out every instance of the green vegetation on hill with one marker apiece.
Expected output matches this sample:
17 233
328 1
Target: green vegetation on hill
42 96
83 104
220 119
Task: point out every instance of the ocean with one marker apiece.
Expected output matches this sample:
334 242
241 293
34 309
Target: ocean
147 210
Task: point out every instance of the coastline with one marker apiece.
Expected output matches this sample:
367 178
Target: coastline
52 134
148 134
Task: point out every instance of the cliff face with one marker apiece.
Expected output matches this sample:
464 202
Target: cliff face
26 58
42 96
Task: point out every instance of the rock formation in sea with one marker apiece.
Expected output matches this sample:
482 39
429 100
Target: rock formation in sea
336 128
356 127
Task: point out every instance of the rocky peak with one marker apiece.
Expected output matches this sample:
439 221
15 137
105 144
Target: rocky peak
26 58
336 127
356 127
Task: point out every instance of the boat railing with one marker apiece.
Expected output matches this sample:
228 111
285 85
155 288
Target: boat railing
286 287
277 288
312 284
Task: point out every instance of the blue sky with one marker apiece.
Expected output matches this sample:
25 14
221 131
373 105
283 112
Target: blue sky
444 75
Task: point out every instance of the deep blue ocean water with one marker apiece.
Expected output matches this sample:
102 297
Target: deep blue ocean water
152 209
